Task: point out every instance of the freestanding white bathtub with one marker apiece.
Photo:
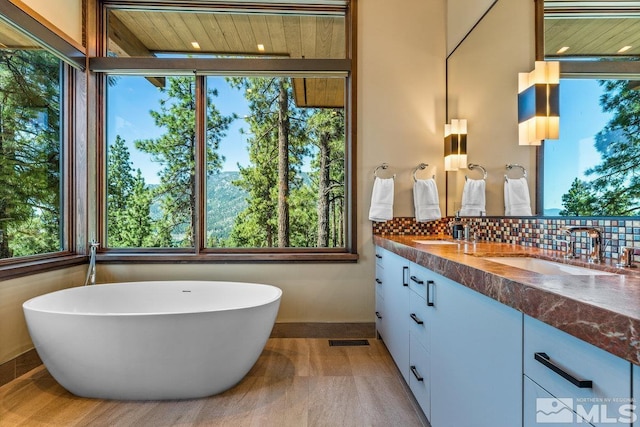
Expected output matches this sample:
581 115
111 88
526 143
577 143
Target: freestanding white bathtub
152 340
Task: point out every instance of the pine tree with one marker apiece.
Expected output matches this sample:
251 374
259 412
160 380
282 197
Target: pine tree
30 199
276 148
579 200
175 150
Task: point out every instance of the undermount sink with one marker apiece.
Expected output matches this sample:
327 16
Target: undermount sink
543 266
434 242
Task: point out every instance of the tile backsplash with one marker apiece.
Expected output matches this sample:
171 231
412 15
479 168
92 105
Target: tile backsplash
535 232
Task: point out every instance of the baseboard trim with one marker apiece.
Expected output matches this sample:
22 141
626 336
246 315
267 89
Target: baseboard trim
324 330
20 365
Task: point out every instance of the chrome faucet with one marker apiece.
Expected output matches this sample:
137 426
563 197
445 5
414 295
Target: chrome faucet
91 272
596 250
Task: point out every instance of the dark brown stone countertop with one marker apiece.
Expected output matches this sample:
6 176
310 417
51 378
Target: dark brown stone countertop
603 310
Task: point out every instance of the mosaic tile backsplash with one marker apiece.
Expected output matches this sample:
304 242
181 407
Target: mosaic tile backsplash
535 232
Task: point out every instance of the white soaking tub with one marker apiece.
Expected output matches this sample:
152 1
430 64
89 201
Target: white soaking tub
152 340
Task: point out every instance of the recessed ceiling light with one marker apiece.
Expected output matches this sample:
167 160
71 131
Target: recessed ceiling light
563 49
261 47
195 45
624 49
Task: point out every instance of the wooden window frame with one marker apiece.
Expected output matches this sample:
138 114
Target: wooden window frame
102 65
72 145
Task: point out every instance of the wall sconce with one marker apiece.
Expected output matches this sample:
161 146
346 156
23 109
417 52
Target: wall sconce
539 103
455 145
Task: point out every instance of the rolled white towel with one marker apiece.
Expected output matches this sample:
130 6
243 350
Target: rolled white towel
473 198
426 200
381 209
516 197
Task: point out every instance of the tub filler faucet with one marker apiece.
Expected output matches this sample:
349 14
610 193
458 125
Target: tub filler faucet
91 272
596 250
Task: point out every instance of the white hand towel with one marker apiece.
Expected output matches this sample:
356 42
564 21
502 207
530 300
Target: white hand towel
381 209
473 198
426 200
516 197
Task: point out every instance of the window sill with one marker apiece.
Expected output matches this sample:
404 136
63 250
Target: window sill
29 267
227 257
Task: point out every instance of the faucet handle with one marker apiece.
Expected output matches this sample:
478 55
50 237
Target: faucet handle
626 257
570 252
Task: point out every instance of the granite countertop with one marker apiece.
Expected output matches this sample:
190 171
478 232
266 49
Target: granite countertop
603 310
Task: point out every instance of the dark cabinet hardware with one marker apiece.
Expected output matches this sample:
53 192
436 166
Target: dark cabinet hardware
430 284
546 361
415 373
418 281
415 319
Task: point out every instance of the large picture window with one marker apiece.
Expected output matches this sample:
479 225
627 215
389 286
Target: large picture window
31 214
250 155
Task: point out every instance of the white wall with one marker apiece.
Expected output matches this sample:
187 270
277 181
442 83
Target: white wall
400 116
461 17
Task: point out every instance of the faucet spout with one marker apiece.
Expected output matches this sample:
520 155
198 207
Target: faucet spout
596 252
91 272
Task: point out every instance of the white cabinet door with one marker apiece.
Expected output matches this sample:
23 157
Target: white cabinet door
476 358
381 314
636 394
396 309
594 383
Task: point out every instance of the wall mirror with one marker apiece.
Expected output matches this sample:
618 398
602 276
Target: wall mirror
482 87
592 170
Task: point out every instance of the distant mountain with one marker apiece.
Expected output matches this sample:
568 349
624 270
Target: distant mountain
224 202
552 212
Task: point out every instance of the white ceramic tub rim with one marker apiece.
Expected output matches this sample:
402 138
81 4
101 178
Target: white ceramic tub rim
35 302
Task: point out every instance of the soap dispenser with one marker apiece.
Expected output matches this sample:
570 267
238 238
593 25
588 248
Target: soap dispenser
457 227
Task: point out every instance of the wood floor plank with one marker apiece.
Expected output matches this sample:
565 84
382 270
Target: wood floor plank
384 401
296 382
334 402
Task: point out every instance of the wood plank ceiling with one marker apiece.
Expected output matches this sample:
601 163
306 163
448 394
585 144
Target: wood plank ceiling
592 36
148 33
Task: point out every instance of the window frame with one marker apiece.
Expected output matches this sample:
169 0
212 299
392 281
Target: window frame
203 67
72 137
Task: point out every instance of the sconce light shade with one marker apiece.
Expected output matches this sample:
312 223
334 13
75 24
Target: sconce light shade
539 103
455 145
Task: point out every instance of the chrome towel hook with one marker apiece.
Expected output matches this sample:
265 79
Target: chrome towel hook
515 165
383 166
421 166
472 166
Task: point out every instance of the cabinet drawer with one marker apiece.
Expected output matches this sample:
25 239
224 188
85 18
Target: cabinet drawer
379 256
542 409
418 320
563 364
420 376
418 278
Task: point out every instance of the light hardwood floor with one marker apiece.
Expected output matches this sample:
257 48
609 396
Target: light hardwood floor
296 382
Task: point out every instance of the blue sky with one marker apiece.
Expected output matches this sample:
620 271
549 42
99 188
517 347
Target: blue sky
581 118
132 97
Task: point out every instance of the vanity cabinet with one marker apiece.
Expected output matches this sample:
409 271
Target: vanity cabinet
569 381
392 274
459 351
476 357
470 360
